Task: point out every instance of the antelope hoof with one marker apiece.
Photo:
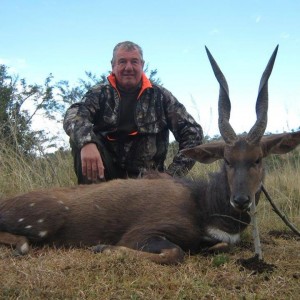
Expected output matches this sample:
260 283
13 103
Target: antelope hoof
22 248
219 247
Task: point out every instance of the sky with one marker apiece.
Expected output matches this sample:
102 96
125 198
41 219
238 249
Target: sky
67 38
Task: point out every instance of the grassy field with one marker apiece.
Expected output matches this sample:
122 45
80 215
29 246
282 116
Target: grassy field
80 274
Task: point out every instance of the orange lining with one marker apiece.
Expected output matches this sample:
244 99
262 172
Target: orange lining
130 134
133 133
145 83
110 139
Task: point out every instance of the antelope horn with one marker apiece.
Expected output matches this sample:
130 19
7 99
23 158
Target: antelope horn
258 129
224 105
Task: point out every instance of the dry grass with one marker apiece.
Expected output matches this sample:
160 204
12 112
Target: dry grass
21 174
80 274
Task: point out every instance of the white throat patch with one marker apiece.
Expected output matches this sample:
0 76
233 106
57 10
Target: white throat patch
222 236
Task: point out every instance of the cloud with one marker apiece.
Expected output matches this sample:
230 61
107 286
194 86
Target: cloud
257 19
15 65
186 50
4 61
21 63
285 35
214 31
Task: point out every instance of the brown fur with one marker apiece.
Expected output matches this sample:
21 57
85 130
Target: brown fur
121 212
161 217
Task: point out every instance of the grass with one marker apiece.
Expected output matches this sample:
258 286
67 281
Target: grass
78 274
20 173
48 273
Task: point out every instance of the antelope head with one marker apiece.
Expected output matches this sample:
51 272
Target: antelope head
243 155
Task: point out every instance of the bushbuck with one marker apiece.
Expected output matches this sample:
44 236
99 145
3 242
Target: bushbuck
159 219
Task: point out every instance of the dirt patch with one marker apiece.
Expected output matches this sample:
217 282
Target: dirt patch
256 265
286 235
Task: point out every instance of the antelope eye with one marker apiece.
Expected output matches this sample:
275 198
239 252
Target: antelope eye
256 163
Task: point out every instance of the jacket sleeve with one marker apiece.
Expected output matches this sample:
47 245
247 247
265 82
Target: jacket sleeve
78 121
187 132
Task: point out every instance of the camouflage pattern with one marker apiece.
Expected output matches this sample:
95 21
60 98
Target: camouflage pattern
157 112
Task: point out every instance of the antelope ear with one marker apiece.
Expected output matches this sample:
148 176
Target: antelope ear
280 143
206 153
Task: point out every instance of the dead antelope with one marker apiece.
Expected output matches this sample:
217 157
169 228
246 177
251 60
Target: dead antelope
158 219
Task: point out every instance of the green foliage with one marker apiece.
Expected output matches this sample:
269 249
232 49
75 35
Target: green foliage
70 95
220 259
16 97
152 74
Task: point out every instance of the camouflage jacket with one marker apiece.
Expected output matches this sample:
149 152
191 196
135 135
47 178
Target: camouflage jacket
157 111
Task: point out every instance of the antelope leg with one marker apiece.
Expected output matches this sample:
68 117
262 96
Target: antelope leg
19 242
255 232
154 248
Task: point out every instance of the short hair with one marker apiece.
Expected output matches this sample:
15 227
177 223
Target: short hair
128 46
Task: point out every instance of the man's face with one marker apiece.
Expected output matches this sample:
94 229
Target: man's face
128 68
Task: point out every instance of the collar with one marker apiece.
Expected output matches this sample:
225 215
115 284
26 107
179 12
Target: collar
145 83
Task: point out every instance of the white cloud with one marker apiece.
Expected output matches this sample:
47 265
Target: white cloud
14 64
186 50
257 19
21 63
4 61
285 35
214 31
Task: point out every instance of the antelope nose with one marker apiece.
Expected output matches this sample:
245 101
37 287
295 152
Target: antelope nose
241 202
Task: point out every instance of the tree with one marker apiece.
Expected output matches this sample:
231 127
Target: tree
15 119
70 95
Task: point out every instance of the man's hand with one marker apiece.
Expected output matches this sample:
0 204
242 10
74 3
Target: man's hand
91 162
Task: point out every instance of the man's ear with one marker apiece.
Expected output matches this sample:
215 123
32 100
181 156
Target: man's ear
206 153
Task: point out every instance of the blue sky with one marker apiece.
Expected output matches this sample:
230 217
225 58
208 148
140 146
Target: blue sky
67 38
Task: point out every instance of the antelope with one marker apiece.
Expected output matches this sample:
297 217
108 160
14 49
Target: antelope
159 219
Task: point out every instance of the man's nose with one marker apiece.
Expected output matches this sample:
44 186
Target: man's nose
128 66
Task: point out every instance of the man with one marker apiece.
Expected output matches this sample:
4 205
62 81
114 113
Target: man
121 129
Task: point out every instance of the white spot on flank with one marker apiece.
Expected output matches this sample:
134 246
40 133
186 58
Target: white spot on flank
67 208
21 220
60 202
40 220
43 233
222 236
32 204
24 248
28 226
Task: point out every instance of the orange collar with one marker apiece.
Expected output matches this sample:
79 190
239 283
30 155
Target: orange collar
145 83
